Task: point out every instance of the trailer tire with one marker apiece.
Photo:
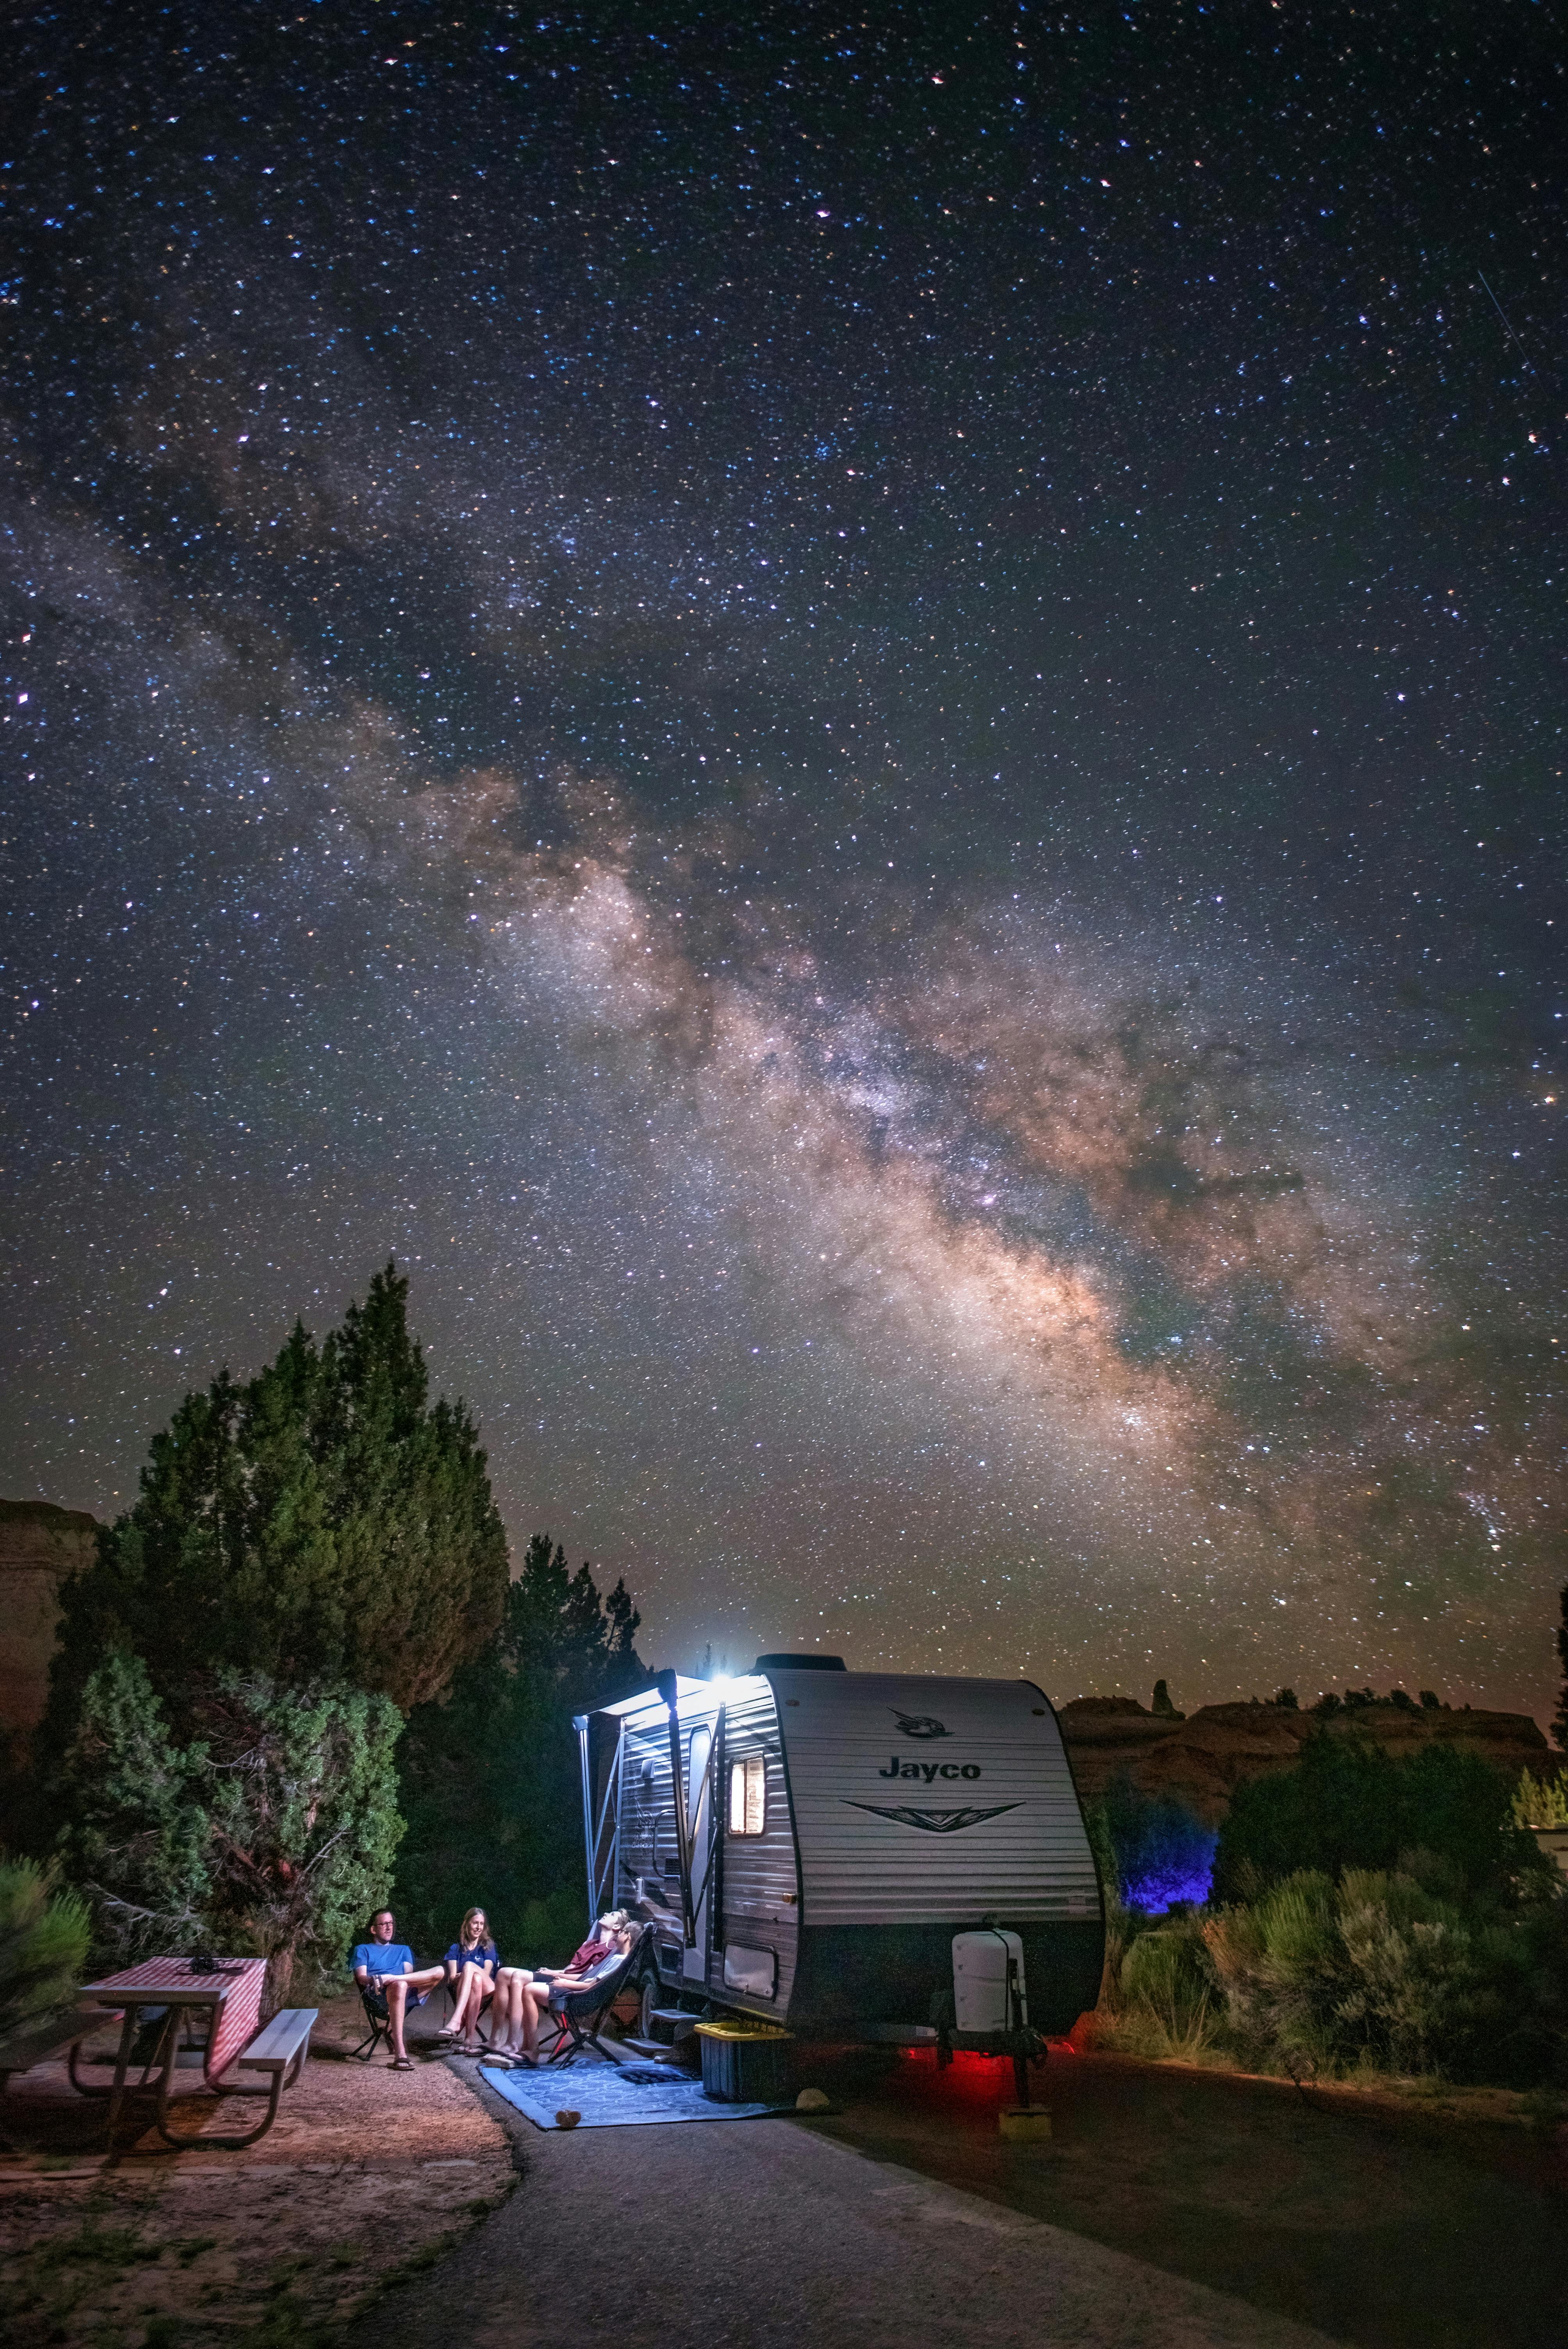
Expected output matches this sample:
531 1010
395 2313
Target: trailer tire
650 1999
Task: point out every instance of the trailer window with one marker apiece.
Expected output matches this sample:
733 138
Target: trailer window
748 1795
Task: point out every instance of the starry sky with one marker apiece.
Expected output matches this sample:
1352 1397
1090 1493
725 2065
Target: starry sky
856 719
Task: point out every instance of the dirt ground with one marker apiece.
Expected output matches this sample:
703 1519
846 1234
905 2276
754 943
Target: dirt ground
367 2177
1390 2221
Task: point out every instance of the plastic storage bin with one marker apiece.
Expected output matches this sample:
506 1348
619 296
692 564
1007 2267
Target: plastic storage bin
744 2064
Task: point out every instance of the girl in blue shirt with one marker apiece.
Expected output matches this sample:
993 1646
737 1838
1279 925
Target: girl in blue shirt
470 1963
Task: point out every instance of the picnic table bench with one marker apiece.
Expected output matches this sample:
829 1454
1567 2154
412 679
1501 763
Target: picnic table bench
34 2042
237 2041
279 2048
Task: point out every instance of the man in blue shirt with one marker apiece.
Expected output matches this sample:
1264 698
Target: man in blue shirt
383 1969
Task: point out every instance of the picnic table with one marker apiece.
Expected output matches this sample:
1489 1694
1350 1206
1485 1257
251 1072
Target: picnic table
231 2000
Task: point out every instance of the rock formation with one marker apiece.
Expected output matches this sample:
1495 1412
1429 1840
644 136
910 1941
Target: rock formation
39 1547
1205 1755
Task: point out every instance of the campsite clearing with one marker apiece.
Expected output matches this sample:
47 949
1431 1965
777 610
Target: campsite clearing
369 2174
1171 2208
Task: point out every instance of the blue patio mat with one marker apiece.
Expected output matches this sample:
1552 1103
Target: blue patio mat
608 2096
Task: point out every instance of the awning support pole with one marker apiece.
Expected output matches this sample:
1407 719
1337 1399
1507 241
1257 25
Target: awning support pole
666 1684
580 1724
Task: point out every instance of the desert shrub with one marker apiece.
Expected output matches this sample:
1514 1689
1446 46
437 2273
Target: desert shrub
44 1938
1415 1986
1522 2041
1379 1972
1167 2004
1159 1851
1279 1970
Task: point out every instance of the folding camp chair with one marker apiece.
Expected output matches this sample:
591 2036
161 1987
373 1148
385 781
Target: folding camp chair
580 2015
375 2004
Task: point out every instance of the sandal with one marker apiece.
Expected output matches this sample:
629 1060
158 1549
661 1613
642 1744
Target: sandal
402 2062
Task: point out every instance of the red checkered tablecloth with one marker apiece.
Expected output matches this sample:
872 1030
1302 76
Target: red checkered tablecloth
236 1993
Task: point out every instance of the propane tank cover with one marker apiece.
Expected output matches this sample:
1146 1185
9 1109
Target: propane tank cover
983 1965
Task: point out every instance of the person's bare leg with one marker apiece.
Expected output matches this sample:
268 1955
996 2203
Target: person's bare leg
508 2009
506 2026
535 2004
400 1988
511 2010
396 1989
473 2007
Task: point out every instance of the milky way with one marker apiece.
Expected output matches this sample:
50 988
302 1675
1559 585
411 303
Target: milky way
858 725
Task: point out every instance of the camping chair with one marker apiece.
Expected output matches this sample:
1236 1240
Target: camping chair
580 2015
375 2004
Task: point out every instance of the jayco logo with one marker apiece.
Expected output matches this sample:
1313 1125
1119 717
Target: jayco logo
928 1772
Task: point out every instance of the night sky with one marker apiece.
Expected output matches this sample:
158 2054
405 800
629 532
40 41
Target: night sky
857 720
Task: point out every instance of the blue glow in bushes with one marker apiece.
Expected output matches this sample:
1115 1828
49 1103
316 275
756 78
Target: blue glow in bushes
1164 1852
1160 1886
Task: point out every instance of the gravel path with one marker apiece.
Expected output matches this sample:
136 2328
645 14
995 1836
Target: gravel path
761 2235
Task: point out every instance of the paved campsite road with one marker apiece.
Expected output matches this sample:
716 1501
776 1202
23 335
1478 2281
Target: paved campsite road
761 2235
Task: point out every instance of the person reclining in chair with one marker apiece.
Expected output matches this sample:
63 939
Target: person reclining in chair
521 1996
383 1969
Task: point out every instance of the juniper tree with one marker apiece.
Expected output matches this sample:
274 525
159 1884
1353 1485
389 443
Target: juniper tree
323 1522
1349 1804
272 1830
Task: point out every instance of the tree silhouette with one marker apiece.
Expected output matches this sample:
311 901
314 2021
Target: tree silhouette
323 1522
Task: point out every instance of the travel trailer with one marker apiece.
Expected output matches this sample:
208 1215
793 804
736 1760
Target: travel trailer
808 1843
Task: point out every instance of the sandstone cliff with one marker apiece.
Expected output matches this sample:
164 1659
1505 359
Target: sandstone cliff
39 1547
1206 1756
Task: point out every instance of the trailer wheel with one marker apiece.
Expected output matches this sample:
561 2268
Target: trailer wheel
650 2001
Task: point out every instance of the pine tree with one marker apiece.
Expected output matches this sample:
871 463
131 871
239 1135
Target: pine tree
1560 1724
322 1523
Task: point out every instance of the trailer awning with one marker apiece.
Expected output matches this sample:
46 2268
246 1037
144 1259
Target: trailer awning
651 1701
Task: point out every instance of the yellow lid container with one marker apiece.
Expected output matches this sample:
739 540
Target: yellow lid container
742 2031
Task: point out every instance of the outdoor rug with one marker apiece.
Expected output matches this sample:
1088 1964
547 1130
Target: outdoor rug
608 2096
